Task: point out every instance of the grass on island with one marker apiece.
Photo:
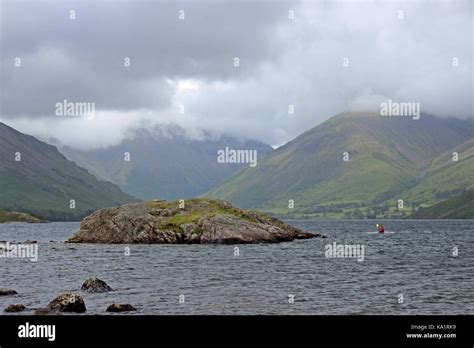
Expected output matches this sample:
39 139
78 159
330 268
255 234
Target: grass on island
196 208
7 216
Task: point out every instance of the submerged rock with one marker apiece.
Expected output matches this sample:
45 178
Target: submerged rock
116 308
205 221
7 292
14 308
68 302
95 285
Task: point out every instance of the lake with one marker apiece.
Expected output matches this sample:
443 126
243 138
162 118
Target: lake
413 269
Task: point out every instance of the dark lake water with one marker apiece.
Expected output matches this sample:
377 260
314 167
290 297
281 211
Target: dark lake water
415 261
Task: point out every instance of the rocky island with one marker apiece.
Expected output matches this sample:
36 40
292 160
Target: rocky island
194 221
14 216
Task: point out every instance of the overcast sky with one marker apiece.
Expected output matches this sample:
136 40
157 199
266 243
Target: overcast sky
404 56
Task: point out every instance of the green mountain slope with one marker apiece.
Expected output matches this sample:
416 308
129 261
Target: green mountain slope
387 156
164 163
44 182
444 178
458 207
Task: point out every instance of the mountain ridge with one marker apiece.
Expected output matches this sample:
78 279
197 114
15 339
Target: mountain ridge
166 167
36 178
385 157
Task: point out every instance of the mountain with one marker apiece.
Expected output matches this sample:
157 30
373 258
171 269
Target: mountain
458 207
387 159
36 178
444 177
164 162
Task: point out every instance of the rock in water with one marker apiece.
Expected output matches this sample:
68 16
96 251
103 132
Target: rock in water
116 308
14 308
7 292
205 221
95 285
68 302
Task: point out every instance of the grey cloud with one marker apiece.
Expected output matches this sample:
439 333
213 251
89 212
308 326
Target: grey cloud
408 60
283 62
82 59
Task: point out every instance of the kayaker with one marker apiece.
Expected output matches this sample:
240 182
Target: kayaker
380 228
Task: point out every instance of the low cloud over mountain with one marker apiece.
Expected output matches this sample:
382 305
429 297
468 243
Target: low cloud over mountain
321 57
